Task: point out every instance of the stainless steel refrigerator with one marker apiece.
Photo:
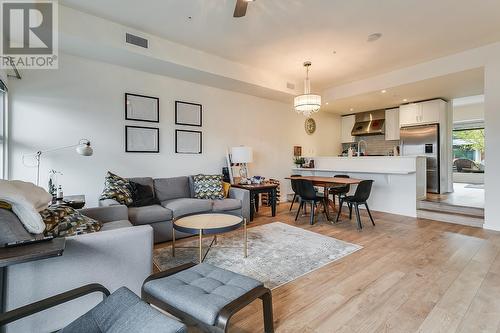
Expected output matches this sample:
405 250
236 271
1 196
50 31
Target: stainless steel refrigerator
424 141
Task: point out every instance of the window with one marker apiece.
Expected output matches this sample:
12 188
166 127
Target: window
3 131
468 150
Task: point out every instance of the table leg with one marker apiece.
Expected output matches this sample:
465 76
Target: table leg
326 202
173 242
201 245
273 202
252 206
257 197
245 245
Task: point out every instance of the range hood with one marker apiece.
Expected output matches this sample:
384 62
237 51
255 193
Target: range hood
369 123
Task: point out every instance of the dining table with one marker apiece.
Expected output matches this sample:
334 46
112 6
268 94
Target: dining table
326 183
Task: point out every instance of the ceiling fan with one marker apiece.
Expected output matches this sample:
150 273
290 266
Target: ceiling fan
241 8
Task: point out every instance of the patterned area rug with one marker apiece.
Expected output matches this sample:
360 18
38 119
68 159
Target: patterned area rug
277 253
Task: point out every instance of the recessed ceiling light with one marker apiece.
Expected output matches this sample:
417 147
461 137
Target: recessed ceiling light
405 100
374 37
383 91
326 103
351 109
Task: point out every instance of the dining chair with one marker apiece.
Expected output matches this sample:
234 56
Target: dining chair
340 190
294 189
359 198
308 195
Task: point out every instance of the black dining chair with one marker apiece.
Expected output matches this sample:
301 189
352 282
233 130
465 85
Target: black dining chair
308 195
294 189
340 190
359 198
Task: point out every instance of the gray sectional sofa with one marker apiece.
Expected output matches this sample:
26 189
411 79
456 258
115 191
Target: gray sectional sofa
176 199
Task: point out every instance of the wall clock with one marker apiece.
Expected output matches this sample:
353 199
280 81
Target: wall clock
310 126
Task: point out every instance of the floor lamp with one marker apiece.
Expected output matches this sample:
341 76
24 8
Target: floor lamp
83 148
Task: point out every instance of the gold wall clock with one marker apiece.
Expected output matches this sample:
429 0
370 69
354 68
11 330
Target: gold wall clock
310 126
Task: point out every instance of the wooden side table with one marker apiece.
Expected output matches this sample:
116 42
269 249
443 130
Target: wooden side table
255 190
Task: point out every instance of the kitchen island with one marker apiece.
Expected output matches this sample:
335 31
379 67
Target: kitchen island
399 182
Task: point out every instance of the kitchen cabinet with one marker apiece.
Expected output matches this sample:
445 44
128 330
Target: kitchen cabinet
428 112
347 125
392 124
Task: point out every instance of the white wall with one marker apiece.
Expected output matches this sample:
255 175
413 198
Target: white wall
85 99
492 142
3 75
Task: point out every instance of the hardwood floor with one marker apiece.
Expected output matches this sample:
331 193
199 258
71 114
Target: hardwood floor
412 275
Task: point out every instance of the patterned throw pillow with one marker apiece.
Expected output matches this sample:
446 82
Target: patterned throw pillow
208 187
64 221
117 188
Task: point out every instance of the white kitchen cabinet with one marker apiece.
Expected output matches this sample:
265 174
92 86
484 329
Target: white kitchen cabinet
347 125
392 124
428 112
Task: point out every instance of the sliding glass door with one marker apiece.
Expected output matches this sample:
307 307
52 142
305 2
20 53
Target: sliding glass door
3 131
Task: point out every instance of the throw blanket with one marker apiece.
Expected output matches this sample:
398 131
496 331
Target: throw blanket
27 200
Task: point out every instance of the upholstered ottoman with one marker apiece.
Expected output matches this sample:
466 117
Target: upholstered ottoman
205 295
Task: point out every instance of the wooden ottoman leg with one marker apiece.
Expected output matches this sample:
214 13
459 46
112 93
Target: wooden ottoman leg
267 304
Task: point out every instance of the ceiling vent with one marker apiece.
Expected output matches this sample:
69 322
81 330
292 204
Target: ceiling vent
290 85
136 40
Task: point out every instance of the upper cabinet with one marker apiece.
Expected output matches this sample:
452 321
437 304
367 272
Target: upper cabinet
429 112
392 124
347 125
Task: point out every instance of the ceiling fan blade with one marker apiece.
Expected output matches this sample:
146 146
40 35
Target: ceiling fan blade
241 8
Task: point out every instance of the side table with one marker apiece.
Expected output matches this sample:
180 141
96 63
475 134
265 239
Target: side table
255 190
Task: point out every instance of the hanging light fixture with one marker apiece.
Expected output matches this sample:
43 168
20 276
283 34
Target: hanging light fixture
308 103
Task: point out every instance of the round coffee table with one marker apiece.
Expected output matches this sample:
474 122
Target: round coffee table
209 224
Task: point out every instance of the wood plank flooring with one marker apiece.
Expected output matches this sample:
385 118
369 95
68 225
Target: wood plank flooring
412 275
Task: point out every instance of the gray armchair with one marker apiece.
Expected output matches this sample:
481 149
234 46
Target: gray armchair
118 255
121 312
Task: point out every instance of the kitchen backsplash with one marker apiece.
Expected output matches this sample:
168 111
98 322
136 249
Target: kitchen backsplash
377 145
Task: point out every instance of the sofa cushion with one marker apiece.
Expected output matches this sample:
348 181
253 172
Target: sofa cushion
172 188
226 204
64 221
208 187
185 206
147 181
142 195
116 225
149 214
201 291
117 188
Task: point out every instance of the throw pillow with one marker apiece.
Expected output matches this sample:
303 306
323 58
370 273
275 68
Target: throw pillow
208 187
142 195
64 221
5 205
117 188
227 187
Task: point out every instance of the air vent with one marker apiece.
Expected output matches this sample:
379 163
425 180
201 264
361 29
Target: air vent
290 85
136 40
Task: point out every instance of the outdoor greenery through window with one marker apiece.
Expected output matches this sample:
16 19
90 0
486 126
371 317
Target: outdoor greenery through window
468 150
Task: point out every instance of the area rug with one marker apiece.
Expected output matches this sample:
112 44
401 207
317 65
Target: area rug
277 253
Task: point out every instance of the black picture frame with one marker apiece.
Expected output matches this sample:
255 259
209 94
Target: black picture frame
127 117
129 150
200 116
200 150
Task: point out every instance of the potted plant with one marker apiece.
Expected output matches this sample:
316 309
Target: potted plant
299 161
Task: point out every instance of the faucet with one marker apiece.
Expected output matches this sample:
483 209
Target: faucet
359 144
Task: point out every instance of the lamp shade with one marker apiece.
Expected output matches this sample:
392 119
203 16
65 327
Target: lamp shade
242 154
84 148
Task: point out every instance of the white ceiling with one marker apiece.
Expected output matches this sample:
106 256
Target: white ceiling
448 87
278 35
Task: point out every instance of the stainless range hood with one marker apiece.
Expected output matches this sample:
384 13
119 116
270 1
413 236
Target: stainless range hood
369 123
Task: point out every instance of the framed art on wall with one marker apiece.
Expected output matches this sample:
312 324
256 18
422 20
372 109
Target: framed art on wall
188 142
142 139
189 114
142 108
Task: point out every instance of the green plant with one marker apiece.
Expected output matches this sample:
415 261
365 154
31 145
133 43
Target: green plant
474 139
299 160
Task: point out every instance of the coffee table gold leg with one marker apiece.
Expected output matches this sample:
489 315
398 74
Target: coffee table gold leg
201 248
173 242
215 239
246 237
